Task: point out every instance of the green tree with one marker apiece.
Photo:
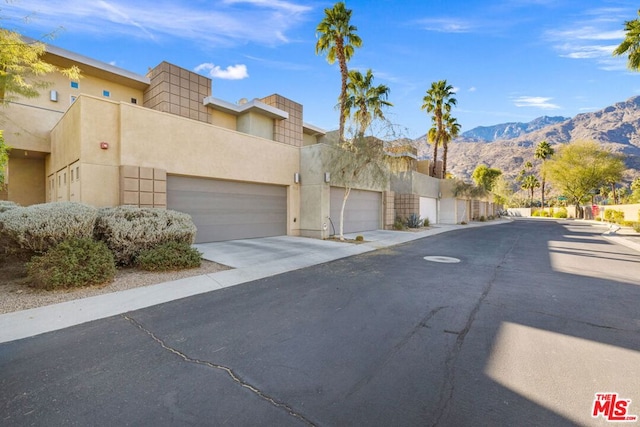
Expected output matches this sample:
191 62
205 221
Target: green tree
367 100
544 151
451 132
530 183
22 67
338 39
581 167
21 74
635 191
438 101
502 191
631 44
485 176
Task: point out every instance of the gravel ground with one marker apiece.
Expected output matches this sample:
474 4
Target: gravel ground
16 295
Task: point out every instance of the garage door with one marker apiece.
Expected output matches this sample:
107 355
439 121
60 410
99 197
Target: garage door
362 212
429 209
224 210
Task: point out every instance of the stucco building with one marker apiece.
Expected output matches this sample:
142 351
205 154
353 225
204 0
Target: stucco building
253 168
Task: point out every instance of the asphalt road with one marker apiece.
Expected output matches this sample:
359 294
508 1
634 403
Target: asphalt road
534 320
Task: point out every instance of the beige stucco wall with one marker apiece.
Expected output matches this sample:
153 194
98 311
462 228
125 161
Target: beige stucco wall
412 182
223 120
141 137
27 180
255 124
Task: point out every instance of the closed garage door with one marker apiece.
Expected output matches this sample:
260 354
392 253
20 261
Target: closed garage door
224 210
429 209
362 212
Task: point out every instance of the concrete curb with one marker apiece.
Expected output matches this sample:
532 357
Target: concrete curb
27 323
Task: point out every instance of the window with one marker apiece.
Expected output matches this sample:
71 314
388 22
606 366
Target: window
78 173
134 101
75 85
106 93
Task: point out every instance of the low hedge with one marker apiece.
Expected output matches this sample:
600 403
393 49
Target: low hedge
72 263
127 230
37 228
169 256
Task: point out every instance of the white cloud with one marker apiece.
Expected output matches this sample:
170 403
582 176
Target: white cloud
445 25
593 37
232 72
225 23
472 89
535 102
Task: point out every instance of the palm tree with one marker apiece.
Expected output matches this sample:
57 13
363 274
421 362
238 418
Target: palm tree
451 132
543 151
366 99
530 183
338 39
438 101
631 44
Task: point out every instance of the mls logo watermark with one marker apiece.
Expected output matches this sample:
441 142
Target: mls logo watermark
612 408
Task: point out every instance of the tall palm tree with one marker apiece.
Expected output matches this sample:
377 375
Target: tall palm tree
451 132
631 44
544 150
338 39
530 183
438 102
366 99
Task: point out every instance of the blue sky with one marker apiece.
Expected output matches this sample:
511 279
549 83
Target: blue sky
511 60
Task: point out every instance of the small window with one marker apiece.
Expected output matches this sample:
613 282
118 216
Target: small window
75 85
72 179
78 173
106 93
134 101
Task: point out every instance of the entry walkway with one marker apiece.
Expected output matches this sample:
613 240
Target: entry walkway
252 259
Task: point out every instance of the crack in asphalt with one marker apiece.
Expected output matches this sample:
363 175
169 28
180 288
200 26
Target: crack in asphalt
235 377
448 387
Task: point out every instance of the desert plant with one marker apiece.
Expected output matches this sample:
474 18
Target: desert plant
636 227
359 238
169 256
129 230
37 228
482 218
414 221
399 224
72 263
425 222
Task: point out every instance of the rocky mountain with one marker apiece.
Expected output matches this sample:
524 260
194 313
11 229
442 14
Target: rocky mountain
510 130
616 127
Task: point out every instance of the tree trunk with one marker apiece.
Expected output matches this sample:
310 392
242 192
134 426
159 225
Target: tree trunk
435 156
347 191
344 75
445 148
542 195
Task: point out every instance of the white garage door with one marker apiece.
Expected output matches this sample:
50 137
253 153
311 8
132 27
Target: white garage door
429 209
362 212
224 210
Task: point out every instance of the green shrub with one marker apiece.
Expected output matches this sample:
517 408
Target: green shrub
482 218
6 205
535 213
37 228
169 256
359 238
425 222
414 221
612 215
128 230
72 263
560 213
626 223
636 227
398 224
463 223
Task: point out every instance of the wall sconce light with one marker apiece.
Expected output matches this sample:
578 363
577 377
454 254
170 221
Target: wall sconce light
104 145
327 177
296 178
439 195
53 96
